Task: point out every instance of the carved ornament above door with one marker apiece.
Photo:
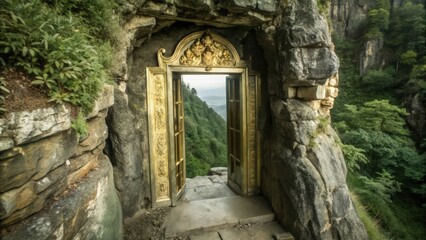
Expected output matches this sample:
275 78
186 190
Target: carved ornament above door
202 49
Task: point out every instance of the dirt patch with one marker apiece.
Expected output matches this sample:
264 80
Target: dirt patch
149 226
23 95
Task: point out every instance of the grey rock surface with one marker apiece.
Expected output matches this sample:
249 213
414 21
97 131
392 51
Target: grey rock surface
35 160
208 187
25 126
125 153
309 169
303 170
90 211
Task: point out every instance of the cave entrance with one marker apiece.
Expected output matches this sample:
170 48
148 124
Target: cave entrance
201 53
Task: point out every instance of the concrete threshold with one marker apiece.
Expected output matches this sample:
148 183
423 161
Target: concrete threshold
202 216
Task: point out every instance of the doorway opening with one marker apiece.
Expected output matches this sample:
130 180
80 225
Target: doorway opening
204 103
205 137
204 53
204 99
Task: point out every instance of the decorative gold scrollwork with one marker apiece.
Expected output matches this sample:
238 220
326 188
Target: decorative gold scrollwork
206 51
252 144
202 49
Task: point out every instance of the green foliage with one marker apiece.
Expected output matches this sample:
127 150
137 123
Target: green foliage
3 91
378 19
384 185
400 220
378 128
386 170
376 115
407 30
205 139
354 157
378 80
417 82
409 57
56 50
323 6
80 125
371 225
98 15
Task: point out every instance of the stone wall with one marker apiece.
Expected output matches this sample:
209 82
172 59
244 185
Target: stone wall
303 170
53 183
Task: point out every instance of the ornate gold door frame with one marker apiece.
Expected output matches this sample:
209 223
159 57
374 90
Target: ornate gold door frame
201 52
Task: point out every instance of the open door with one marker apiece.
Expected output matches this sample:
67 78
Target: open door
179 137
234 108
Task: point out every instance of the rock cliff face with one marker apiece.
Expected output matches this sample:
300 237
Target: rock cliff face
303 170
53 184
349 20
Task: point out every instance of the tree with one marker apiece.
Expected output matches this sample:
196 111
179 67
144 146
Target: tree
377 132
407 30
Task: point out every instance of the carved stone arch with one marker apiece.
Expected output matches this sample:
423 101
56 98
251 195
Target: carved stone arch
199 52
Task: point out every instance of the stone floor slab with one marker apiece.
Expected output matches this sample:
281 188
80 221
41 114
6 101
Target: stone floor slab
207 236
195 217
261 231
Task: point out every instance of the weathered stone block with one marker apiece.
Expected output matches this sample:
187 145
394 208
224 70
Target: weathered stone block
16 170
98 133
334 80
91 211
35 206
104 101
139 21
303 26
309 66
11 153
6 143
51 179
268 6
156 8
26 126
204 5
238 5
79 161
82 172
311 93
51 152
332 92
292 110
16 199
290 92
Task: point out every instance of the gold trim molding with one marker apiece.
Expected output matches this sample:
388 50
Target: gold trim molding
158 135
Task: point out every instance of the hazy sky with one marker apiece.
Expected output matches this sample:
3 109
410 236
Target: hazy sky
206 84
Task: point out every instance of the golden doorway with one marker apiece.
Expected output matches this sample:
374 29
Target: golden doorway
201 52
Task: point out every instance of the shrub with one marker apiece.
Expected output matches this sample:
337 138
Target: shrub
55 50
377 80
97 15
3 90
80 125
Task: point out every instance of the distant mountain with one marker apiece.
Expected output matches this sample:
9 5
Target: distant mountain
220 92
221 110
214 100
